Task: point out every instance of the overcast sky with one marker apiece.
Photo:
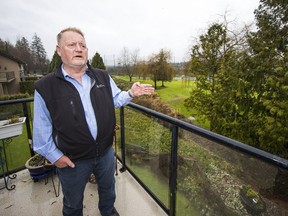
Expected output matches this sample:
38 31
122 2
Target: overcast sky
111 25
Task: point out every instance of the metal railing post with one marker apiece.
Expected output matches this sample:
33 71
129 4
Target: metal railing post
173 177
122 130
28 127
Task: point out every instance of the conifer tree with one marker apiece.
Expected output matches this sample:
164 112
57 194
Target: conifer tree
97 62
267 60
56 60
40 62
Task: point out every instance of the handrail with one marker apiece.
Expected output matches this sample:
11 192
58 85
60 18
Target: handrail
273 159
176 123
22 100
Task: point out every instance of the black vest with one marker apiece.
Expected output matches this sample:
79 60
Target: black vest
70 129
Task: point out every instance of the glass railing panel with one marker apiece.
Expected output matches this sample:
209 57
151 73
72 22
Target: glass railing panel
148 144
9 110
216 180
14 150
117 136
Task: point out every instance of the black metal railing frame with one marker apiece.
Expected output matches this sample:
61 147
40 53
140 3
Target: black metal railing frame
176 124
24 102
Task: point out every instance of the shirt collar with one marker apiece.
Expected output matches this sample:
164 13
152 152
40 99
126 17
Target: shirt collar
65 74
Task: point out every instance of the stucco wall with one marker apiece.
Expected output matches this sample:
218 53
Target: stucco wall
8 65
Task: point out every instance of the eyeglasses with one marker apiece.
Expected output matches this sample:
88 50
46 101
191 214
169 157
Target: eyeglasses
74 46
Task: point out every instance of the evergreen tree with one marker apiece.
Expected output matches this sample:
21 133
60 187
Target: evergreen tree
39 54
37 48
7 47
220 94
23 52
207 59
56 60
33 54
267 59
23 46
2 45
244 90
97 62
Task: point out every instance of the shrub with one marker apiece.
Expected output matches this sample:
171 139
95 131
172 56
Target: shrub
11 109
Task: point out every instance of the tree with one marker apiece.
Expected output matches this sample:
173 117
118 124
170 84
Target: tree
56 60
160 69
2 45
208 58
22 45
221 94
268 60
242 84
129 62
97 61
34 54
126 63
39 54
7 46
142 69
134 63
23 51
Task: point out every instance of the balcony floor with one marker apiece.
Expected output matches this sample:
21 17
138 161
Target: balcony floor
37 198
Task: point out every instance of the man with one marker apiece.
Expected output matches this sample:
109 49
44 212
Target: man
74 122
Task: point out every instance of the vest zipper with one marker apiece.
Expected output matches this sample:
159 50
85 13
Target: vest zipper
73 109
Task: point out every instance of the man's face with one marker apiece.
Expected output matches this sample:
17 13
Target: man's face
72 50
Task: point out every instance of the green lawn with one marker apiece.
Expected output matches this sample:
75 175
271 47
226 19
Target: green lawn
17 151
17 148
173 93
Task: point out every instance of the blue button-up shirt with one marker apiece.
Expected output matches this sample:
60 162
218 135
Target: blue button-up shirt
42 124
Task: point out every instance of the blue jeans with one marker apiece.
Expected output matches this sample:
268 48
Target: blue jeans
74 180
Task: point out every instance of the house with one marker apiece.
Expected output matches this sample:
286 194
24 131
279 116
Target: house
11 71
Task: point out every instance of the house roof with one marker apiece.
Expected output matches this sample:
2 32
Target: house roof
11 57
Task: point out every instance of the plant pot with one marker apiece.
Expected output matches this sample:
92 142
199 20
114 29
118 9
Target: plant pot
10 130
39 170
253 204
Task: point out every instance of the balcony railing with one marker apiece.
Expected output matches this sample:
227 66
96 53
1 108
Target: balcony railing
6 77
187 170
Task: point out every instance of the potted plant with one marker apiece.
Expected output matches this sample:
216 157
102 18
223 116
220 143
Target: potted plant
252 201
11 127
39 167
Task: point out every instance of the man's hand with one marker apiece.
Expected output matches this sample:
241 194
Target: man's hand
138 89
64 161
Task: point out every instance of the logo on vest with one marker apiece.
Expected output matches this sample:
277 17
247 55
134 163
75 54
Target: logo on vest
100 86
